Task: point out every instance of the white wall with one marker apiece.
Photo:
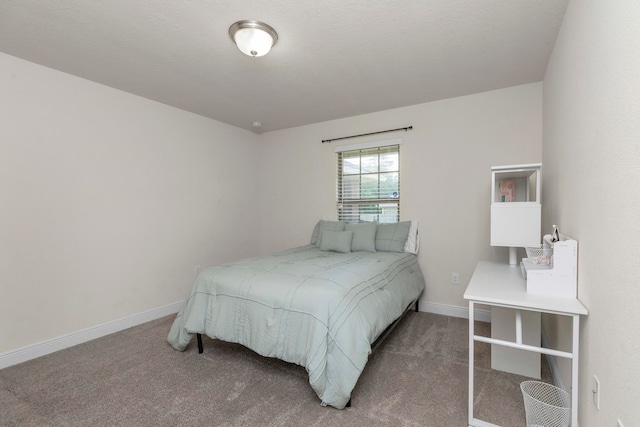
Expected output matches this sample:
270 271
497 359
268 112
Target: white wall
108 200
591 159
445 176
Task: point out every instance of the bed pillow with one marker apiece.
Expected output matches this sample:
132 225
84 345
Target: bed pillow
392 237
323 225
412 245
364 236
337 241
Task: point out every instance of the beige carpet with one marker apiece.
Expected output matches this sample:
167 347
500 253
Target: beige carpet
418 377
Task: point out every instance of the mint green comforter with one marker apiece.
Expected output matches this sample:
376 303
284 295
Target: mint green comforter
318 309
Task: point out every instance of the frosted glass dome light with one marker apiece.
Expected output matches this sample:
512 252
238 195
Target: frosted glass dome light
253 38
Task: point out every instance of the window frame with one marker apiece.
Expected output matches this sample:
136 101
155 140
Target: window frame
362 150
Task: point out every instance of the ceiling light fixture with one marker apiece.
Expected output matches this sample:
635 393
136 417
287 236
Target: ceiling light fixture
253 38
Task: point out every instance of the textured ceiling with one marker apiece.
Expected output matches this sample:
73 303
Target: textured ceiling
334 58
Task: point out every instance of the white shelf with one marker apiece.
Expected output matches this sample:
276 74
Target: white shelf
560 280
526 178
516 222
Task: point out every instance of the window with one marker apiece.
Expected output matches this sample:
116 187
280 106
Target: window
369 184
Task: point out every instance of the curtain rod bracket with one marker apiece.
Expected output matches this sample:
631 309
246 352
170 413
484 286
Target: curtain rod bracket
408 128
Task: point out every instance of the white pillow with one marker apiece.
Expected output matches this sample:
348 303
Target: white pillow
412 245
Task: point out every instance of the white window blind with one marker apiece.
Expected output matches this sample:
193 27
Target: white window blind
369 184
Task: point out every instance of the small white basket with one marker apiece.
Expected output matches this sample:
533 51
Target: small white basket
540 255
546 405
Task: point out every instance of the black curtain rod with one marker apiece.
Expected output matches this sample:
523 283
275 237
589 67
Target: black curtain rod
366 134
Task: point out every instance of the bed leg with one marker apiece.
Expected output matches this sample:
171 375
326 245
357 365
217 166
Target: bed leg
200 349
348 404
417 305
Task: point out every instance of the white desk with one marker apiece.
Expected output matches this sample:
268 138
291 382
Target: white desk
502 285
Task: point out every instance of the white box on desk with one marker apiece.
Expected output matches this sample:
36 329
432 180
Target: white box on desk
562 279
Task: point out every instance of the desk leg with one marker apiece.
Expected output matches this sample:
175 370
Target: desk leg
471 357
574 370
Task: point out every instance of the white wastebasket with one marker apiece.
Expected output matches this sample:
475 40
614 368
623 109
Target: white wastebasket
546 405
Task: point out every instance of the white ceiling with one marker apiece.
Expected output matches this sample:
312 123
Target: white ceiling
334 58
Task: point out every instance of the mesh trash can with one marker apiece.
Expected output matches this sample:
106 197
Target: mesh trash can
546 405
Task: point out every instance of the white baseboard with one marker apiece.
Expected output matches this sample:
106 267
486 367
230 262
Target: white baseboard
454 311
13 357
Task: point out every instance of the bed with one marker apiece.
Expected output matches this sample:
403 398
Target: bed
321 306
